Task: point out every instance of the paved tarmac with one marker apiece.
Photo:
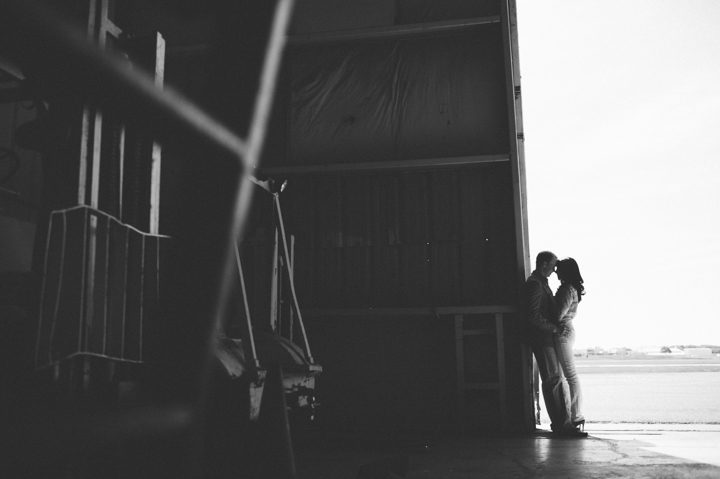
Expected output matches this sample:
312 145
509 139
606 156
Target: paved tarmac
610 451
694 442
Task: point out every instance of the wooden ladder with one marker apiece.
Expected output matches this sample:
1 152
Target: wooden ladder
497 315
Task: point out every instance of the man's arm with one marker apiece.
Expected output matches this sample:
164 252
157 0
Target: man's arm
535 294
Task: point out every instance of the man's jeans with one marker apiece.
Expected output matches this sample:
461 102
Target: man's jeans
563 349
554 387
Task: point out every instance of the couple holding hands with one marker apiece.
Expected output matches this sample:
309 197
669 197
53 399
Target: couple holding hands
551 336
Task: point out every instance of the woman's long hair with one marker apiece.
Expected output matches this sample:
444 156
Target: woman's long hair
568 272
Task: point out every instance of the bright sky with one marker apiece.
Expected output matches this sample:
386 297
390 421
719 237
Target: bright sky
621 112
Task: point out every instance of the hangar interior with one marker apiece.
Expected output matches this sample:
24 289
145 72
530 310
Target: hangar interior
239 224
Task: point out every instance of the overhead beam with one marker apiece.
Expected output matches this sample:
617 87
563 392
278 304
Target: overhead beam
447 311
60 53
393 32
452 161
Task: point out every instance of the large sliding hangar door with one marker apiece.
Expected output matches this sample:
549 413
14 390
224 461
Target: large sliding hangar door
397 125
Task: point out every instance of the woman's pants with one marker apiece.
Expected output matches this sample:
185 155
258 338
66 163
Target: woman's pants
563 349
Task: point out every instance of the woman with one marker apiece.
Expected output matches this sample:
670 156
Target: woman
567 297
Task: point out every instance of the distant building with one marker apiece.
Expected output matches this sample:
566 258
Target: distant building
698 352
596 351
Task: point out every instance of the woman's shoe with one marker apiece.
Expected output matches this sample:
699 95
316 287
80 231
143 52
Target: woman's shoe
573 432
570 430
579 425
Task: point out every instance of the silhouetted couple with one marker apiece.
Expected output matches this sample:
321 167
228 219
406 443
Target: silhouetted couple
551 336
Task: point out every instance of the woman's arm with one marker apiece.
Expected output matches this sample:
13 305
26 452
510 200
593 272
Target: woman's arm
563 302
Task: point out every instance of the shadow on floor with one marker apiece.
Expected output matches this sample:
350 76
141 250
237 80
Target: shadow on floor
532 455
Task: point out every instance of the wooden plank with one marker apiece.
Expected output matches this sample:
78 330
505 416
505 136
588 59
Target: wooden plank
472 210
97 13
329 277
474 222
96 157
136 181
496 189
156 155
444 264
54 263
414 212
500 281
399 165
67 337
500 338
393 32
257 261
105 27
476 309
112 30
386 210
96 317
356 194
415 11
479 332
85 135
144 153
356 275
386 275
110 174
415 275
305 272
473 286
440 313
480 358
517 157
481 386
117 291
328 212
444 271
460 369
151 291
444 204
134 298
299 209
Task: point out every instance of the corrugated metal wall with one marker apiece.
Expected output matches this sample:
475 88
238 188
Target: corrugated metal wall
403 239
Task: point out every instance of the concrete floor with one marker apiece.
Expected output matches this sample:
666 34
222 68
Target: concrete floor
607 453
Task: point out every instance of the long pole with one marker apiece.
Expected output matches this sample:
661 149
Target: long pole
251 336
288 264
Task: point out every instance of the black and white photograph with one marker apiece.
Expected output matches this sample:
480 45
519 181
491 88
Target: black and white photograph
359 239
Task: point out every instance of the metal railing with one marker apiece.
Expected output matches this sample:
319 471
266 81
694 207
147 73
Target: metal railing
61 59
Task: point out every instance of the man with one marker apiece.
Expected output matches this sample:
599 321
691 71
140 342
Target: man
539 308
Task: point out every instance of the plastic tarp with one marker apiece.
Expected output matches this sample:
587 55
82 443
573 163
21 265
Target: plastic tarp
398 99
